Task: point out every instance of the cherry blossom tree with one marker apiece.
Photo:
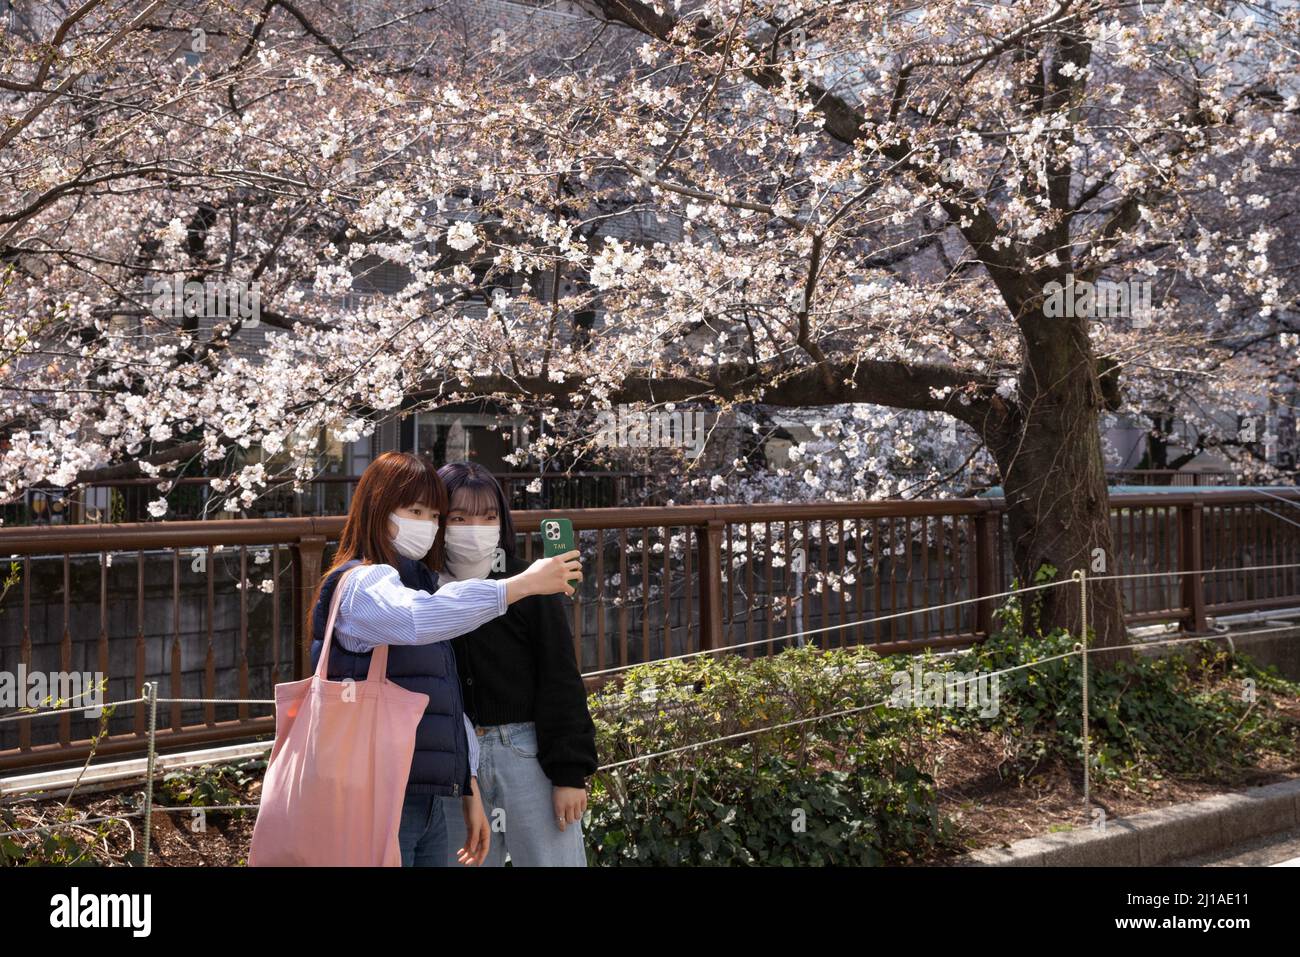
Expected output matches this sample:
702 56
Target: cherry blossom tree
868 205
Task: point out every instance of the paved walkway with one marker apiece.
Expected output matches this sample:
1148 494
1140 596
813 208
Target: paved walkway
1275 850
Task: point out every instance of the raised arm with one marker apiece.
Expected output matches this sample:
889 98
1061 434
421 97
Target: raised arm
377 609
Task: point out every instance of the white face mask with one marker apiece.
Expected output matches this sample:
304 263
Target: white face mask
471 545
414 536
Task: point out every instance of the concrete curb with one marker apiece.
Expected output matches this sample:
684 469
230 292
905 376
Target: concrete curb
115 774
1158 837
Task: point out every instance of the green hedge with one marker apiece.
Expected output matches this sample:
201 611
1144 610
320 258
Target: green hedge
840 790
1198 712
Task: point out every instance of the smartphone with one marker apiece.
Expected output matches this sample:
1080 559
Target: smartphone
557 538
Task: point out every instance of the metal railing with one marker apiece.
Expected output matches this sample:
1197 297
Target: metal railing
1178 477
218 609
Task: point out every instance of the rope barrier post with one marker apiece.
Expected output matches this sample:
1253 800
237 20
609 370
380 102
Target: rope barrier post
1081 576
151 696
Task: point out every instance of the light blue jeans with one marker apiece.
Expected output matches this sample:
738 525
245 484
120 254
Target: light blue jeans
517 800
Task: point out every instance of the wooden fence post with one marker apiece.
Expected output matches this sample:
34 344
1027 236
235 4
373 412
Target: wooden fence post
986 557
709 565
308 553
1191 559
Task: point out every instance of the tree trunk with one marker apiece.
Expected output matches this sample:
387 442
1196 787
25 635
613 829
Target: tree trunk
1053 475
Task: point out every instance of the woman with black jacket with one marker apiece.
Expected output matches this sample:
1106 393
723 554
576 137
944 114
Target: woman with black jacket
522 691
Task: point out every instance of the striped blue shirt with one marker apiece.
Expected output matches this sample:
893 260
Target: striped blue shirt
377 609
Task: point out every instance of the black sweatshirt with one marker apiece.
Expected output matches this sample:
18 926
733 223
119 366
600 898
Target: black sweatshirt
520 666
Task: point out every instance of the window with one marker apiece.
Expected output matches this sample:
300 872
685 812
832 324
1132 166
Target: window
468 437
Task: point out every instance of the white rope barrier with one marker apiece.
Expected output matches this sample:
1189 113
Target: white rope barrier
920 611
844 712
1079 649
822 717
73 823
983 676
217 700
711 651
43 712
1216 636
1280 498
1198 571
847 624
724 738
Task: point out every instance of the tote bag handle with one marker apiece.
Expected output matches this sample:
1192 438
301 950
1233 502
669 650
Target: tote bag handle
379 655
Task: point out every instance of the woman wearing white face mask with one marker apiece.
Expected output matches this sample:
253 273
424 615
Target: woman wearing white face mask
394 599
521 687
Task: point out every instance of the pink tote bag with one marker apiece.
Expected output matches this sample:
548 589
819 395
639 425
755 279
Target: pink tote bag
336 780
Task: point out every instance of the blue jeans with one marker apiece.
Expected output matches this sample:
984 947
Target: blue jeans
517 801
422 835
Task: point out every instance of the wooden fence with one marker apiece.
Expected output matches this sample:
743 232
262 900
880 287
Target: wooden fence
217 609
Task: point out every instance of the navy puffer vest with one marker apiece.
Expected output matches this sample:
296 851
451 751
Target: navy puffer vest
441 761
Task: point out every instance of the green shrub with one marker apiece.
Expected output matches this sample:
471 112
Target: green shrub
50 845
841 790
1187 713
213 785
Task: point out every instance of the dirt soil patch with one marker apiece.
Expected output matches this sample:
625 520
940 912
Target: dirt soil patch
993 806
178 838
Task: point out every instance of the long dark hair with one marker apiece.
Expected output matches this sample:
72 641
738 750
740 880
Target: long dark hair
392 481
485 492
